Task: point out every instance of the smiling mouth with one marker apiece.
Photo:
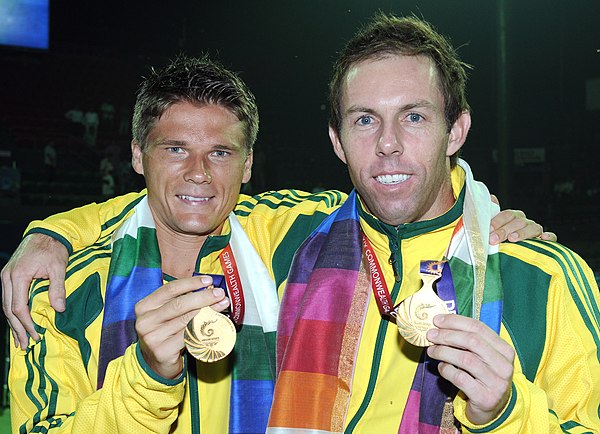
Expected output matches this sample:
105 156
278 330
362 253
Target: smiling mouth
392 179
193 198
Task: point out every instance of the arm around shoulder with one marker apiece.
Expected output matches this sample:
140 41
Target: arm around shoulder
84 226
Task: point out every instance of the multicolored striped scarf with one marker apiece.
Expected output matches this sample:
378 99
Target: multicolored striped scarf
135 272
323 310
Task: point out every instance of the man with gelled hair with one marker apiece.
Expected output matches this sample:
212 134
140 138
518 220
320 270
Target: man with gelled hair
114 360
509 343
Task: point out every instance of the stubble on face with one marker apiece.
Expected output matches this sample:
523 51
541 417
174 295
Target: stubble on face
394 138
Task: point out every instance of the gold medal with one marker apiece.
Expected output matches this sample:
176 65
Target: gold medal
210 335
414 316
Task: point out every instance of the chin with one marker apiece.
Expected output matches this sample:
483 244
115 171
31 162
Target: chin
196 228
395 217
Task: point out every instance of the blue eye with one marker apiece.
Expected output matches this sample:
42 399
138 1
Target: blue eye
415 117
175 149
365 120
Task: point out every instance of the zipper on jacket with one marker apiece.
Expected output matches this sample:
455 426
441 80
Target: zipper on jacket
396 262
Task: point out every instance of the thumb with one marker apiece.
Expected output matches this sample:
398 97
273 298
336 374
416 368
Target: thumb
56 290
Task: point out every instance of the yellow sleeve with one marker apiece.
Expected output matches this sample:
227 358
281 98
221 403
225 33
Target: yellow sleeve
277 222
84 226
565 393
52 389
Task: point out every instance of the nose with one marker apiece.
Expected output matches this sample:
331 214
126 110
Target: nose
198 172
389 142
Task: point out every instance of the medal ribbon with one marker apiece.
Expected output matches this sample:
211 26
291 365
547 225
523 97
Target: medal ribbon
445 286
380 289
234 284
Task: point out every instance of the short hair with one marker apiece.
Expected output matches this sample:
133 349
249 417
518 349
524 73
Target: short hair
388 35
199 81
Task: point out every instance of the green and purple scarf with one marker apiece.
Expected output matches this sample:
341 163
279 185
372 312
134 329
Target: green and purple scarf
135 272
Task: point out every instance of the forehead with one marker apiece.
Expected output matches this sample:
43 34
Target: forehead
393 78
189 122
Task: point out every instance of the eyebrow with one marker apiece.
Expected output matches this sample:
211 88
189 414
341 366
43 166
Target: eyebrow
417 104
183 144
170 142
358 109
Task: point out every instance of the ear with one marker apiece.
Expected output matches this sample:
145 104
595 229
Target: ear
458 133
248 166
337 145
136 157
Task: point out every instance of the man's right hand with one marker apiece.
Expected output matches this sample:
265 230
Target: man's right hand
161 318
477 361
37 257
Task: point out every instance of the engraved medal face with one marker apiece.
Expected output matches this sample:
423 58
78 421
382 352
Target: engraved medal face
414 316
210 335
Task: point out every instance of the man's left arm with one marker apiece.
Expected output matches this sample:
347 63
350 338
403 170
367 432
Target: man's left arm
564 393
566 389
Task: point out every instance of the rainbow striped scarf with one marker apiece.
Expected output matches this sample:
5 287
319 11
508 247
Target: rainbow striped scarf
135 272
323 309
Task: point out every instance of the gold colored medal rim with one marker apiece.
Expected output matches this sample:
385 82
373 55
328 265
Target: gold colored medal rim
406 313
226 334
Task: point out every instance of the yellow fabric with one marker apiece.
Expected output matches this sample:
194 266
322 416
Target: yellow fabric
132 401
565 382
119 411
399 359
567 379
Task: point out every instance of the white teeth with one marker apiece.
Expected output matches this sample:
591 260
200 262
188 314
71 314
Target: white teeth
194 199
392 179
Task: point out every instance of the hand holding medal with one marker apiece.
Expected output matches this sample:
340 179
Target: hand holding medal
210 336
414 316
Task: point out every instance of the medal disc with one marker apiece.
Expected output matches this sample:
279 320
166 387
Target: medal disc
210 335
414 316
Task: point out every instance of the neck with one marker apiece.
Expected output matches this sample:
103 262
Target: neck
443 202
179 252
416 227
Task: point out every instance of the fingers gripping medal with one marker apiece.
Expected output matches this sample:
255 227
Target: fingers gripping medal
414 316
210 336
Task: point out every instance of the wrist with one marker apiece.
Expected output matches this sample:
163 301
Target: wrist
169 376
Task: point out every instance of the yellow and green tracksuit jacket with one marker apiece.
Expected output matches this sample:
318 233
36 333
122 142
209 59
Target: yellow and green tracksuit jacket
53 382
550 317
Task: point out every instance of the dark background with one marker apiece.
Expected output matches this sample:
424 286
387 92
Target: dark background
284 50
